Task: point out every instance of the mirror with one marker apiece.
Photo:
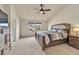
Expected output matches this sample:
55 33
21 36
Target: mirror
4 27
3 21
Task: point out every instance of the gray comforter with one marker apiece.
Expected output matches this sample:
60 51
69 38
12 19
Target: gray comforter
49 36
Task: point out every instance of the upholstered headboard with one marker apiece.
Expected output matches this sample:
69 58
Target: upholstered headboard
64 27
61 26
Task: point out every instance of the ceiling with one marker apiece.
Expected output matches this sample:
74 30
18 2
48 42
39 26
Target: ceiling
27 11
69 12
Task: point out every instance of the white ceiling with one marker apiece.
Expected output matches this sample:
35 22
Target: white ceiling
69 12
27 11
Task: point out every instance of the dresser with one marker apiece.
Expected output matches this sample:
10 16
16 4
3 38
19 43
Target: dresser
74 41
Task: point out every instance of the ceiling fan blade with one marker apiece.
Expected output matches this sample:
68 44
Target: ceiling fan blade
47 10
42 10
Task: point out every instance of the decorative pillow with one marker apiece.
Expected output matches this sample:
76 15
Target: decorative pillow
60 31
54 30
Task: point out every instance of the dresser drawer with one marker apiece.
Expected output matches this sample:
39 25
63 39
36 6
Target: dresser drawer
74 41
74 38
74 45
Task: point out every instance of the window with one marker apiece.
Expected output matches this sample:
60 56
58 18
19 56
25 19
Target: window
34 26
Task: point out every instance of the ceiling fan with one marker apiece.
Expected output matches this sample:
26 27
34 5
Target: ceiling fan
42 10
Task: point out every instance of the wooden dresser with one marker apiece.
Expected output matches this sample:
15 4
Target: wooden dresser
74 41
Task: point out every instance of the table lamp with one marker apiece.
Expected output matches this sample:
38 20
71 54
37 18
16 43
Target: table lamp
76 30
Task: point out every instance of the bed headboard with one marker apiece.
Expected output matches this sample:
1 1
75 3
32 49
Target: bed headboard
61 27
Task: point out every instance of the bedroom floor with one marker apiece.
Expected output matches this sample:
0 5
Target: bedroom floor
62 49
26 46
29 46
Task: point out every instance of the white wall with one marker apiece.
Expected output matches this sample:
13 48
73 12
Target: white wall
24 29
2 8
14 24
69 14
5 8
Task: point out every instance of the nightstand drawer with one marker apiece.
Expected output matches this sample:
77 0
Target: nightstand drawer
74 45
74 41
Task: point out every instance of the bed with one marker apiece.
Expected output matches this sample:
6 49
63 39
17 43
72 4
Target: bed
58 34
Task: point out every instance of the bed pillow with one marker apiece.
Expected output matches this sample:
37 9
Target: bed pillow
53 30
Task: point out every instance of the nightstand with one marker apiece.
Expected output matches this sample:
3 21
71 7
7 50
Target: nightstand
74 41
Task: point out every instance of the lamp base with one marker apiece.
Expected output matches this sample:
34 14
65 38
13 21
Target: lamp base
76 34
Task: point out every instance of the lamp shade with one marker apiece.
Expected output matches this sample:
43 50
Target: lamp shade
76 29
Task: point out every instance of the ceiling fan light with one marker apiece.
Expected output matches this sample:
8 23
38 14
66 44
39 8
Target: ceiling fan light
41 12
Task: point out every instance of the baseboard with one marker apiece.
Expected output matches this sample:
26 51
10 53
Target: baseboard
26 36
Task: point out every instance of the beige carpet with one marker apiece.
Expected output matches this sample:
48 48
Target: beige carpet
26 46
62 49
30 46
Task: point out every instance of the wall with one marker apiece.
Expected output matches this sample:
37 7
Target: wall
1 7
5 8
13 20
69 14
24 29
14 24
